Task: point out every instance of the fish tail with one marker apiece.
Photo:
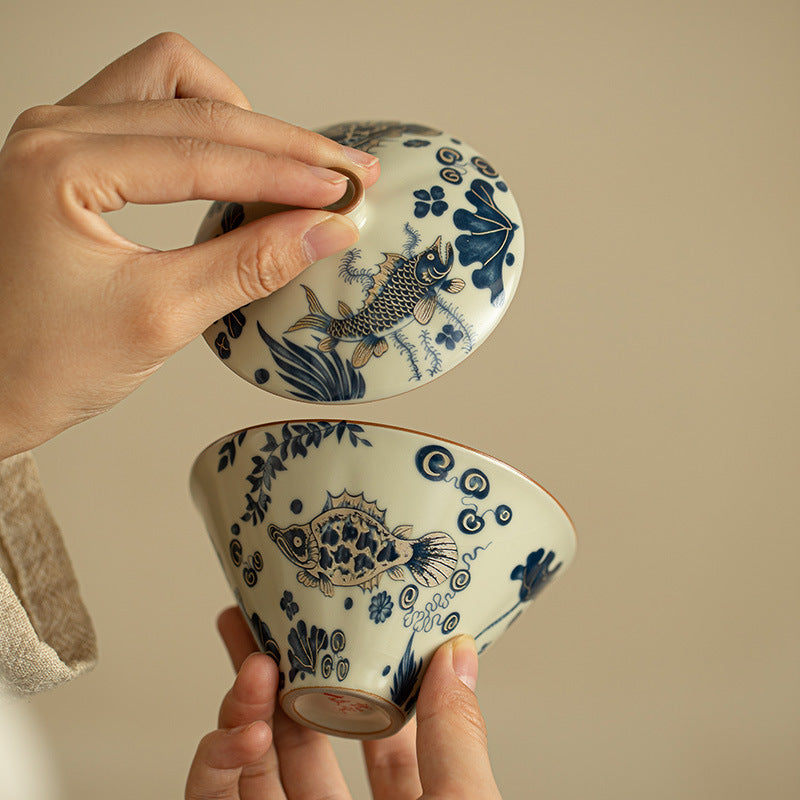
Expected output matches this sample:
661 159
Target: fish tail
317 318
434 558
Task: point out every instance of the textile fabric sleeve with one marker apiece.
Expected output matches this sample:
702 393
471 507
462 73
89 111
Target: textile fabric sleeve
46 635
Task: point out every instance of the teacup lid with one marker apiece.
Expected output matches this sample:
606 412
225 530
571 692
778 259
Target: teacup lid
437 263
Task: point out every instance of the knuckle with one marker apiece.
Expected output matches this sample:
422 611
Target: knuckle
263 268
472 720
214 114
34 148
192 148
168 45
459 709
153 324
37 117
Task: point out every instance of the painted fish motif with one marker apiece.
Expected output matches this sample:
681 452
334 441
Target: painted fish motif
403 289
348 544
369 136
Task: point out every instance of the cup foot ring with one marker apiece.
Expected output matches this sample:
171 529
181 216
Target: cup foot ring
351 713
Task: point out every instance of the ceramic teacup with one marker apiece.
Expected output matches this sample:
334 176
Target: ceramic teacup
356 549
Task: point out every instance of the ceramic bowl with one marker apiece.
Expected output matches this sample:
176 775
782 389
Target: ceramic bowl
356 549
437 263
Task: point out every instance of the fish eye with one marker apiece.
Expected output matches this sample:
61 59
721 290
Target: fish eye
430 256
297 541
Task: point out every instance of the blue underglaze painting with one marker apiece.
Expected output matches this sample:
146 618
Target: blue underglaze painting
405 682
490 234
436 463
403 290
318 377
533 575
369 136
348 544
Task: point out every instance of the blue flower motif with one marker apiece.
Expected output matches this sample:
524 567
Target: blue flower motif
449 337
380 607
536 574
432 201
288 605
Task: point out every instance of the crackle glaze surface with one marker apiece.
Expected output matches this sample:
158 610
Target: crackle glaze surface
437 264
356 549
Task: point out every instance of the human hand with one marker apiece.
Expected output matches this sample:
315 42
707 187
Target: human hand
258 753
86 315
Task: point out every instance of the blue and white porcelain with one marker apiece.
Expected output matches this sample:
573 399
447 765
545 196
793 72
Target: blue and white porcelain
356 549
438 262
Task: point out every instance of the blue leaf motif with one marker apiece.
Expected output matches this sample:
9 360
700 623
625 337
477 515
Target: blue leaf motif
535 574
490 235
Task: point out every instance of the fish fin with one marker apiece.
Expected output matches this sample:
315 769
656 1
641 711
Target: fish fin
344 309
385 271
454 286
307 579
396 574
314 306
327 344
381 346
317 317
423 310
347 500
326 586
403 531
434 559
364 351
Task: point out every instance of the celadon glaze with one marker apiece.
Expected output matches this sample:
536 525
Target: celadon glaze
438 261
355 550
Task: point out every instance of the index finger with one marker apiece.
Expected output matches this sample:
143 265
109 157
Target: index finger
165 67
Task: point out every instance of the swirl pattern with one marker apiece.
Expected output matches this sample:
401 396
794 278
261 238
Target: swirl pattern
474 483
236 552
338 641
484 167
327 665
408 597
448 155
434 462
470 522
460 580
503 515
451 175
451 622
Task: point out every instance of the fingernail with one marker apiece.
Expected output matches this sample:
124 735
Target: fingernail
465 661
360 157
329 175
333 234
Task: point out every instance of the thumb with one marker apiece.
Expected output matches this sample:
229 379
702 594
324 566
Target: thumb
220 758
451 733
208 280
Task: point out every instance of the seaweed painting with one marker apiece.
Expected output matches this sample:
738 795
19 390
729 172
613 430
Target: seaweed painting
314 375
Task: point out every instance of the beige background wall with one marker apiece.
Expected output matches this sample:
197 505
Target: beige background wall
647 374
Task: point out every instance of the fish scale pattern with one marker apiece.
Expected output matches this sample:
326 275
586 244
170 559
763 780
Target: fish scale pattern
395 301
